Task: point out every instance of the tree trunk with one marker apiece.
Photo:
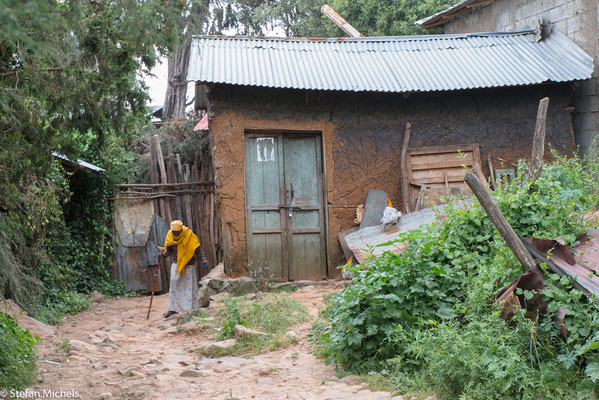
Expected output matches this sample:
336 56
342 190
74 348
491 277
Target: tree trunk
176 90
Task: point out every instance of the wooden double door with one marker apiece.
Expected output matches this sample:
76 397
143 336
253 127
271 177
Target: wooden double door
285 215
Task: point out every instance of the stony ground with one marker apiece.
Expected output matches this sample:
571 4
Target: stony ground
111 351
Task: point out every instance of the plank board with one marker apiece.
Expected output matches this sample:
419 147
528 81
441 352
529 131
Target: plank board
431 169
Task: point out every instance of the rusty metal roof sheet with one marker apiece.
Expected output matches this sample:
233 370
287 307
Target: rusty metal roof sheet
444 16
389 64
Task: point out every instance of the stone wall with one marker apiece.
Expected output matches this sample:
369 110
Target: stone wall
362 135
578 19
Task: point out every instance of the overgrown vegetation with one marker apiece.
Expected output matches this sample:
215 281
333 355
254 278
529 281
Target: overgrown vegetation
17 355
426 320
69 83
274 315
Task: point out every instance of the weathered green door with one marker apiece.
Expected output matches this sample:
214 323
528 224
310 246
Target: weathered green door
285 206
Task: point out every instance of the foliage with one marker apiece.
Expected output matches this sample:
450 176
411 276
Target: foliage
69 83
17 355
231 320
426 317
304 18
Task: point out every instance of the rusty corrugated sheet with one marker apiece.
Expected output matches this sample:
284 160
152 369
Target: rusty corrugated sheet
373 240
139 232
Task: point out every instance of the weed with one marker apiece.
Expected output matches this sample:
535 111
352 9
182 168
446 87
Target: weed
425 321
65 345
273 315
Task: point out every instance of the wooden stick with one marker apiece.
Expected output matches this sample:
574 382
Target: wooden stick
168 192
160 156
491 171
405 195
154 174
172 177
161 185
501 224
538 142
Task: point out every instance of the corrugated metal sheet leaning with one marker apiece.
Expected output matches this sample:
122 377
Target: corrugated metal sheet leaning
390 64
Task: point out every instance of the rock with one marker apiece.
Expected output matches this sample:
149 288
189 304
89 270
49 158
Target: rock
189 328
398 398
20 316
217 272
221 296
97 297
206 363
350 380
262 284
246 285
80 346
204 296
264 381
242 331
189 373
234 361
252 296
292 335
219 347
105 396
220 286
109 328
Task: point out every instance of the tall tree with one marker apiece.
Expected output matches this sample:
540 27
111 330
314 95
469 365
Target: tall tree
69 83
176 91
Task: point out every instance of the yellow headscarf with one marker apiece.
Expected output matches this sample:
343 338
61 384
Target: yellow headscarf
187 242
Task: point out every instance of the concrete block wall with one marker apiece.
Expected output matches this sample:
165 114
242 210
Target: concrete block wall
578 19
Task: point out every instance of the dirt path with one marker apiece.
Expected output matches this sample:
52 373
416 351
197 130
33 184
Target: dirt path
114 352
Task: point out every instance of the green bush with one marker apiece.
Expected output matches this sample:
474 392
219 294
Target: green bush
427 321
17 355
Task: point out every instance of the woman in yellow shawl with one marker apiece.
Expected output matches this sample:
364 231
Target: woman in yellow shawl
184 248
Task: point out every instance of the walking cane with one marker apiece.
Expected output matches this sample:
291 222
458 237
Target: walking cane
154 284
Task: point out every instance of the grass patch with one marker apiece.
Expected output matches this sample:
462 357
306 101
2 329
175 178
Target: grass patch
274 315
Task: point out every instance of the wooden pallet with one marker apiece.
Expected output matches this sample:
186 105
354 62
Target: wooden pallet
436 172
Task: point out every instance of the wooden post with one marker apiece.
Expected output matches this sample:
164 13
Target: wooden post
501 224
491 172
154 174
160 158
538 143
172 177
405 195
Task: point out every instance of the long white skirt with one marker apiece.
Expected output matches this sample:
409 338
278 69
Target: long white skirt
183 292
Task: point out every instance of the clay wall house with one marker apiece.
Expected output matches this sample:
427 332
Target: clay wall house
301 128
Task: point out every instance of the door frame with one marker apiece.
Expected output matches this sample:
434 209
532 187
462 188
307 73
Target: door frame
248 133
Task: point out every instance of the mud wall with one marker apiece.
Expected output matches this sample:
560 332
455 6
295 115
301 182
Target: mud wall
362 136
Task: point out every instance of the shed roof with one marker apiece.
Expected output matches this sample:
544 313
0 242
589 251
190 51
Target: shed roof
390 64
443 17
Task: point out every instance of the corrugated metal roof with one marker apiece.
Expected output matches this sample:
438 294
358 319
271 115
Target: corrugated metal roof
442 17
389 64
